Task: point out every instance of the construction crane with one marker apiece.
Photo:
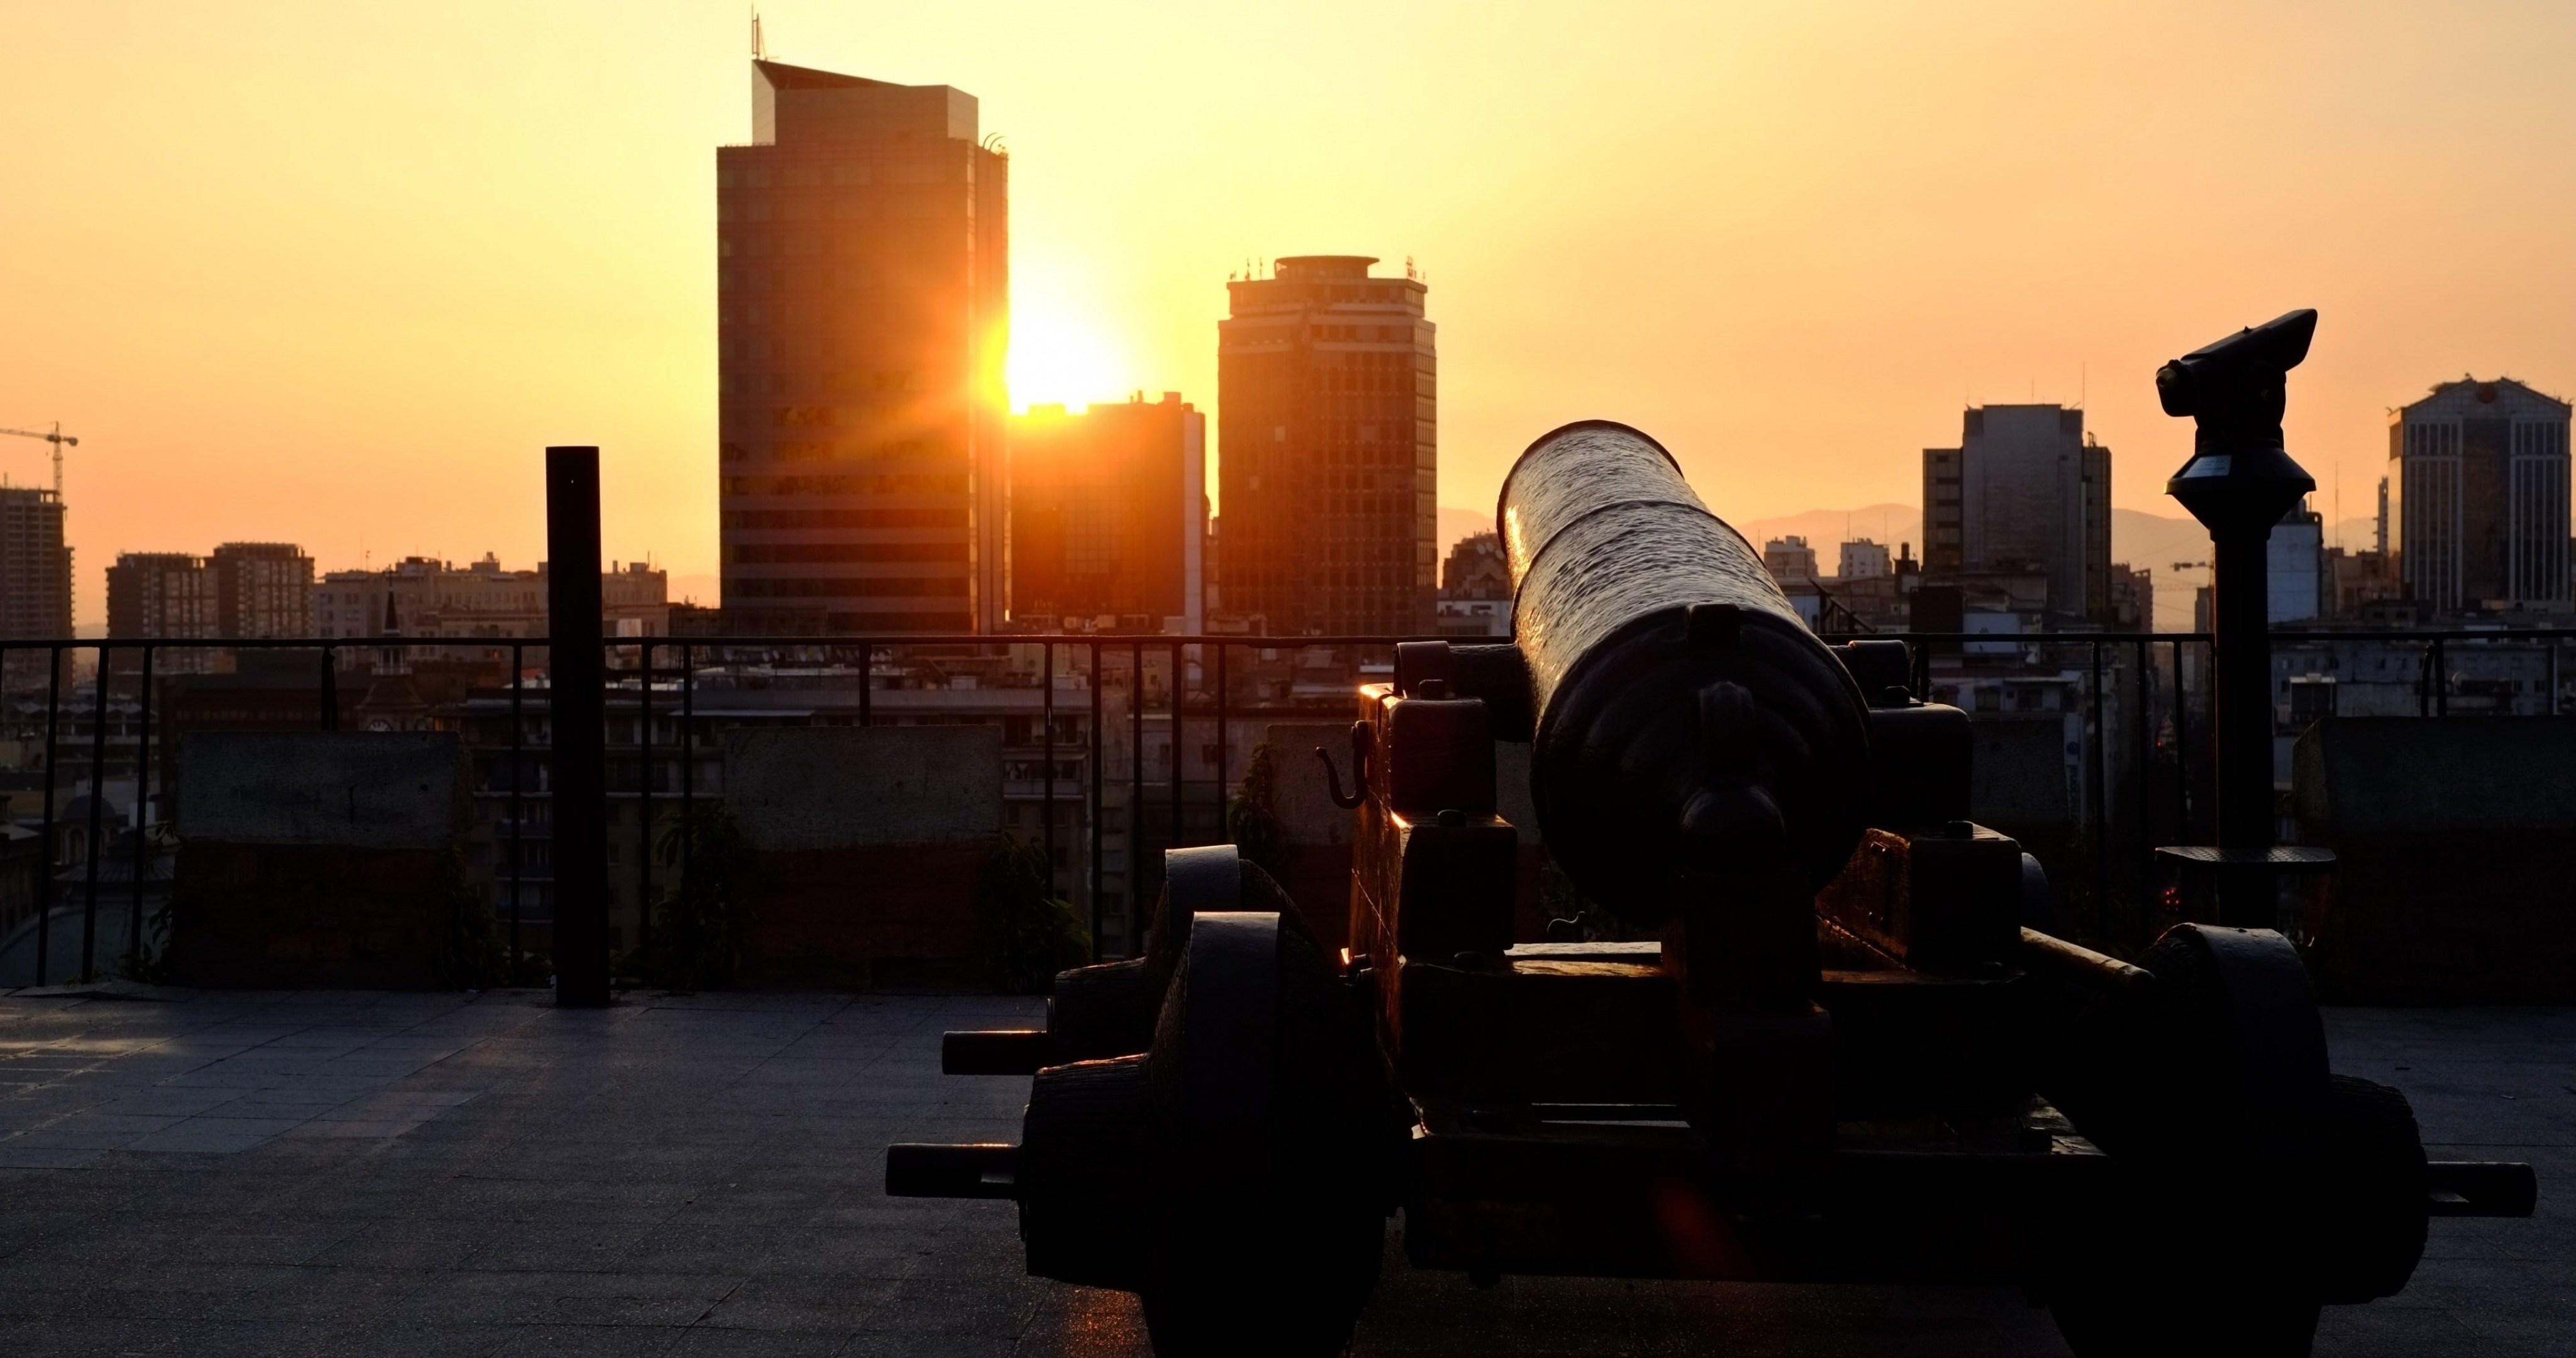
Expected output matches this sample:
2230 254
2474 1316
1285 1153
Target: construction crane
59 439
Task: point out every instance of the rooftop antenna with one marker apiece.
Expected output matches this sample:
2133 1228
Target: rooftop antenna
759 49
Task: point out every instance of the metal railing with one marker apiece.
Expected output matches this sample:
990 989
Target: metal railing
1213 702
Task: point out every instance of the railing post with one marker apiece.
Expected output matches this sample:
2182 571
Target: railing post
644 799
689 760
45 860
576 667
1096 748
2424 682
2099 787
330 692
518 794
2441 680
97 821
1137 849
2146 766
1180 685
2182 749
1046 755
142 816
867 682
1224 830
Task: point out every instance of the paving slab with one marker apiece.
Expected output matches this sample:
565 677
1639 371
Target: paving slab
337 1173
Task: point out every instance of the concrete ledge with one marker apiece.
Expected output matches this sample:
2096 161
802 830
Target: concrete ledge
354 789
859 918
2018 771
801 789
2457 845
2411 775
267 916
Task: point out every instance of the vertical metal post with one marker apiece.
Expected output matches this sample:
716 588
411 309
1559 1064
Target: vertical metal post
575 660
45 860
1136 855
2441 680
1096 744
1046 767
142 816
1224 831
2241 707
2182 750
1180 685
689 759
644 802
2146 755
2100 797
867 681
97 821
2554 644
2424 682
518 792
330 692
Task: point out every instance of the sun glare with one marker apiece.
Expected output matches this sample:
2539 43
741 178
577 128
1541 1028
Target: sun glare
1057 357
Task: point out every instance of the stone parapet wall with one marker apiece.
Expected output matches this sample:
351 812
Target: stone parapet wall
321 859
868 846
2456 846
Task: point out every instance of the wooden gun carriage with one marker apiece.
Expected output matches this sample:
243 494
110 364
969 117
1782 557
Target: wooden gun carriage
1830 1049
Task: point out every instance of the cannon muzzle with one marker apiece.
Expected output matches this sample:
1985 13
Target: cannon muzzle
1686 720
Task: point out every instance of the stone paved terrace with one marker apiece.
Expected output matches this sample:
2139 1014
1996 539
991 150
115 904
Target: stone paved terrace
432 1175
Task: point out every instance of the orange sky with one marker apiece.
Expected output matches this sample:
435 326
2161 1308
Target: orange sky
335 273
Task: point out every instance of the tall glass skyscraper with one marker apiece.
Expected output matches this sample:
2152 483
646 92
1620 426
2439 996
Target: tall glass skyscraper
863 287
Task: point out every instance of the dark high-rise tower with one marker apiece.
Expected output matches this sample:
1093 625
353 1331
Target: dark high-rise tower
862 295
1328 462
2026 491
35 566
2476 496
1109 512
262 589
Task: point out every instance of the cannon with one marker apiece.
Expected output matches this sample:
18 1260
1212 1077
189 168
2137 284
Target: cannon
1804 1031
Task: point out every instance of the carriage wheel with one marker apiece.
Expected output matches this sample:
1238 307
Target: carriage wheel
1271 1146
2222 1136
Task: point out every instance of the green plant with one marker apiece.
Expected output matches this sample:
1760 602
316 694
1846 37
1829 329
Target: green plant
698 923
1035 934
1252 822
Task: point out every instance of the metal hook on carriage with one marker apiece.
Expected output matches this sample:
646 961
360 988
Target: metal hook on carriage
1360 742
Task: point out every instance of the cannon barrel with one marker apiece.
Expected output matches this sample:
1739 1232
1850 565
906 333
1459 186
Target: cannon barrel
1686 720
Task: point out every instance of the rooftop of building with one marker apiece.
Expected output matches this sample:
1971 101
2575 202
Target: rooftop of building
2482 391
1058 410
1316 268
800 104
780 75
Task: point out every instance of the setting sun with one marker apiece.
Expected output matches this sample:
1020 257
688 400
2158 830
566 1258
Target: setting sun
1057 356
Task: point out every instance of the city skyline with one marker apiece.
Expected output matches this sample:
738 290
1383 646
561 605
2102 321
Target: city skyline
252 317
